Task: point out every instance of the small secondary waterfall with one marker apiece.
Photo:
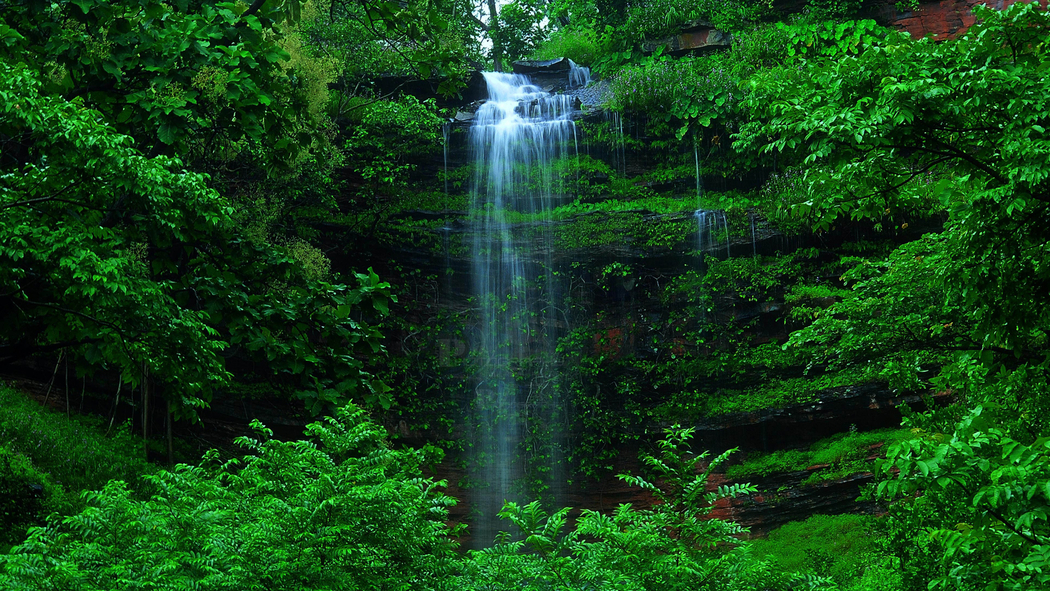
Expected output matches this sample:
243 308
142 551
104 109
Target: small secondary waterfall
579 76
619 146
446 131
699 182
518 135
707 229
754 241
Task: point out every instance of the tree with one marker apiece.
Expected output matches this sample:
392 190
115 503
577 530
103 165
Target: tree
905 125
204 81
514 29
903 129
137 265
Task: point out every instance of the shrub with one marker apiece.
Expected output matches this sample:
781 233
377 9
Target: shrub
340 510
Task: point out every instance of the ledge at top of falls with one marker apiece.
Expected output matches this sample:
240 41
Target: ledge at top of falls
556 65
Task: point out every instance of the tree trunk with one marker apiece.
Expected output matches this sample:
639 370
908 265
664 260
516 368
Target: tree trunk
116 404
494 30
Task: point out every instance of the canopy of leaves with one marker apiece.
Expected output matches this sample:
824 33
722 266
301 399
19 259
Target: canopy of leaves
205 81
890 134
137 264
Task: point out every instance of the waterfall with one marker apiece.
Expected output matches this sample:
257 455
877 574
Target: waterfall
579 76
699 184
517 136
707 228
446 130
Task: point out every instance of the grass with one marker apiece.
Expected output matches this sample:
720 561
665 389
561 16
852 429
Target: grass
841 546
63 455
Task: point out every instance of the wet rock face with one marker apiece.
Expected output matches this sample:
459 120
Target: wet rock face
782 499
943 19
693 38
560 64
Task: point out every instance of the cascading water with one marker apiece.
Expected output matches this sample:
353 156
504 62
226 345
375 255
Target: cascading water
707 229
517 136
579 76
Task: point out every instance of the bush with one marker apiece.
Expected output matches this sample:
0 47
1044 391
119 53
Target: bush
676 86
340 510
663 17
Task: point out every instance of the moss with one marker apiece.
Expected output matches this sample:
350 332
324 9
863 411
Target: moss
843 454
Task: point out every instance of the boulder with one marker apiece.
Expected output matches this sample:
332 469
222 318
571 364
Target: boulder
694 37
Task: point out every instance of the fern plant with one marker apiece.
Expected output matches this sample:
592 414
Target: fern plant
672 545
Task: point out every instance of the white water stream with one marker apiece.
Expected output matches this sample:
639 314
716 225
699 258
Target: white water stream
707 230
518 135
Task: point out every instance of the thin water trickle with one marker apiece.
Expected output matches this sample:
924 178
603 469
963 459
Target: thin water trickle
725 227
699 185
707 230
446 130
623 147
517 135
754 242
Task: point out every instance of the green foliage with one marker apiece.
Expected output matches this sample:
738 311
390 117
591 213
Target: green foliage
372 39
578 44
898 129
71 452
905 313
48 458
340 510
863 124
831 10
1004 479
831 39
664 17
669 546
840 547
762 46
136 265
172 76
27 496
520 29
838 455
388 136
689 91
